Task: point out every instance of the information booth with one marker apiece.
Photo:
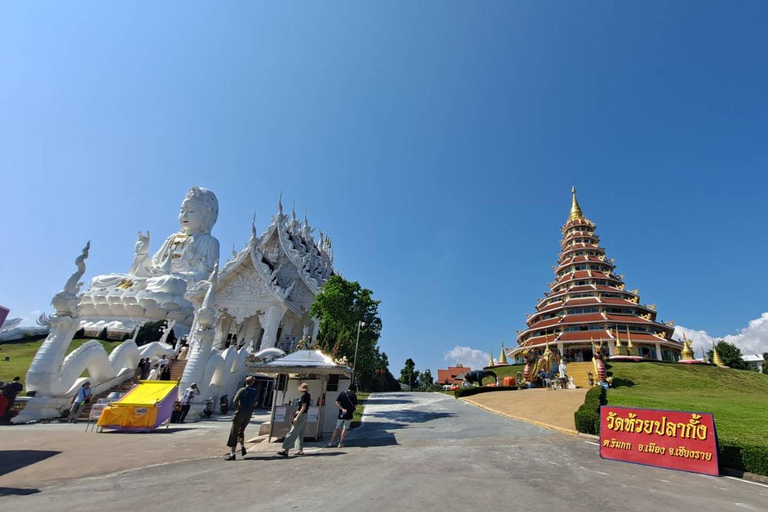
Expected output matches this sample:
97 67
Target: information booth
325 379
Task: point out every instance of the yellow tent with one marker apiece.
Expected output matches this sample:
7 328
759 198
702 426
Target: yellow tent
143 408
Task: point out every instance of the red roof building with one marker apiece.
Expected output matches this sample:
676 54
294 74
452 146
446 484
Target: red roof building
453 375
588 302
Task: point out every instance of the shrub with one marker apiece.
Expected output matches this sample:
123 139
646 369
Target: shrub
744 456
480 389
587 417
103 335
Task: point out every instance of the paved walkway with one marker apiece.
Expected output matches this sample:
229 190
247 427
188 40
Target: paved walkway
45 454
415 450
541 406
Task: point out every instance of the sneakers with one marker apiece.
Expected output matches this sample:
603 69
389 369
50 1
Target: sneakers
230 456
341 445
329 445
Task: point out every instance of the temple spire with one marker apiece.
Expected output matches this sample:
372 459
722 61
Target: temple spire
576 212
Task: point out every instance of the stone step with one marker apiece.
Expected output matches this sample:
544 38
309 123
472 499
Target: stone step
580 372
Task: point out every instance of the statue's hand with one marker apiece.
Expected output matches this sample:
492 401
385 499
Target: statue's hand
142 244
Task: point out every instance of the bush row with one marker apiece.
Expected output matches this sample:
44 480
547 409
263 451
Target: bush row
480 389
587 417
736 455
744 456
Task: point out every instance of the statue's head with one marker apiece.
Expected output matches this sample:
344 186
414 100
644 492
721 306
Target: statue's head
199 211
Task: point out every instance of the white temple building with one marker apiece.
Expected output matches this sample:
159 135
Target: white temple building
265 291
255 307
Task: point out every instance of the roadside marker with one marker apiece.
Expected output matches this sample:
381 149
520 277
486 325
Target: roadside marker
590 442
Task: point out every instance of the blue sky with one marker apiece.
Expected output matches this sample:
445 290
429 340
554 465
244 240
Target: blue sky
435 141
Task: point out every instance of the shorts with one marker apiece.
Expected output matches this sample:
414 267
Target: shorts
343 424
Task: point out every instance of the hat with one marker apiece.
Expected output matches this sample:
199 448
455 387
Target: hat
304 386
352 387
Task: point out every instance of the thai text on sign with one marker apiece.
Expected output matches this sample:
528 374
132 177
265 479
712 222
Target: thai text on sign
686 441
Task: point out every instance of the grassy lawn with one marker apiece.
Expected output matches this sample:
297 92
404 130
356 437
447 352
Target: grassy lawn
506 371
358 416
21 353
738 399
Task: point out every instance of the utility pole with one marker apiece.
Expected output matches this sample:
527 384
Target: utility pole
357 342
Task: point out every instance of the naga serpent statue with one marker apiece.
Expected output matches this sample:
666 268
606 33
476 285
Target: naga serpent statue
477 376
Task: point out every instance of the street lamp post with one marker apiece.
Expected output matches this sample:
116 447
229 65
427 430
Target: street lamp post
357 342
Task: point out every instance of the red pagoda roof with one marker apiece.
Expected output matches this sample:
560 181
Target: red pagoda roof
631 312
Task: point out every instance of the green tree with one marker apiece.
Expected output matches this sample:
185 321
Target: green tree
409 374
427 381
153 331
730 354
340 306
765 363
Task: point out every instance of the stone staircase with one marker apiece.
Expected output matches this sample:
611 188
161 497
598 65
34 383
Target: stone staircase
579 372
177 370
85 412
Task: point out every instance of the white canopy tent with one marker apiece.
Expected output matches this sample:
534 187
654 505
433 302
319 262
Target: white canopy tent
300 365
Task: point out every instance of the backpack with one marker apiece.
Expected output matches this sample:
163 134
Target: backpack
248 398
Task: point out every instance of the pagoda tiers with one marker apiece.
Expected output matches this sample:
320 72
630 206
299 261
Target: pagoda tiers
587 301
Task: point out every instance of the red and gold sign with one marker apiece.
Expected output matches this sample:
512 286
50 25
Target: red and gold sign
686 441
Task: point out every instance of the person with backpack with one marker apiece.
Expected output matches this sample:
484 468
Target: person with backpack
347 403
245 401
82 396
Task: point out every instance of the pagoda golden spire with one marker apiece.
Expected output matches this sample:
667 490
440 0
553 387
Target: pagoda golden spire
630 346
716 356
576 212
491 363
503 356
619 346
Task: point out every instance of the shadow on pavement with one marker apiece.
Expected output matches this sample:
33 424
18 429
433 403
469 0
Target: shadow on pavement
409 416
161 430
290 457
11 460
17 491
389 401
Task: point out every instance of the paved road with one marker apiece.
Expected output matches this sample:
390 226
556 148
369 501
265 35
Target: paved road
416 451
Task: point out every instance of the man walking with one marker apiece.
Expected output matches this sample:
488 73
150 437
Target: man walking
186 400
245 401
79 400
347 403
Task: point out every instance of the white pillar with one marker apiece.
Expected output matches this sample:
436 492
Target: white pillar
658 351
252 322
270 322
611 348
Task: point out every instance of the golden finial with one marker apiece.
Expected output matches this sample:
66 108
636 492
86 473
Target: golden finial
575 209
716 356
687 353
619 346
630 346
503 356
491 363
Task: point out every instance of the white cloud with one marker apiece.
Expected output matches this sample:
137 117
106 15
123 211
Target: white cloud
467 356
752 339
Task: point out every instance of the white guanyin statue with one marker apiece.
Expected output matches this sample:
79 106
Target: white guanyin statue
154 287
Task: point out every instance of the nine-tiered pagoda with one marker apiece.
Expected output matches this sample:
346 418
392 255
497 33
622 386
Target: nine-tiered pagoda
587 302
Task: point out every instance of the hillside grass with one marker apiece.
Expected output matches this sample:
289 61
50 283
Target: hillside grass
22 352
737 398
507 371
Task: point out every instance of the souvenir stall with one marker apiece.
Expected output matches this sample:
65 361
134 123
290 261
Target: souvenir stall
144 408
325 379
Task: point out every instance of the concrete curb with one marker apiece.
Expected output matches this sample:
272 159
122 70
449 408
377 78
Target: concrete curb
572 432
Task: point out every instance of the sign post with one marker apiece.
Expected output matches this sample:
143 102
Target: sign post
686 441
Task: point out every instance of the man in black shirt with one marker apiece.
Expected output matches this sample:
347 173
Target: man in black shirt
347 403
245 401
